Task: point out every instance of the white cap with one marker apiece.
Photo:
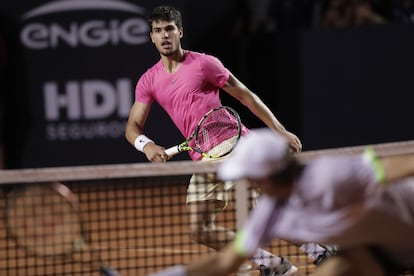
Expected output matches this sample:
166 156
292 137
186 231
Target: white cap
257 155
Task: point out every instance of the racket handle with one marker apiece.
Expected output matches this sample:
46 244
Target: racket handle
173 151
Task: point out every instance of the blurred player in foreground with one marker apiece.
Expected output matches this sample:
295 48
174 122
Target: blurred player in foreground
361 203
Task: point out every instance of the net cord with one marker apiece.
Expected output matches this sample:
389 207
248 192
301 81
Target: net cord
118 171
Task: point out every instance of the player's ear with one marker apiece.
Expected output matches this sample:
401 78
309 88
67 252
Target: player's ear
181 31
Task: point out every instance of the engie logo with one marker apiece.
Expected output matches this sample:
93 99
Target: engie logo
95 32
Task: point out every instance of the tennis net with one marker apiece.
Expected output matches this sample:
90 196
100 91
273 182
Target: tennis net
134 217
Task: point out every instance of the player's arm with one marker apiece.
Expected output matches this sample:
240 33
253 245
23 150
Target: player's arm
134 133
238 90
224 262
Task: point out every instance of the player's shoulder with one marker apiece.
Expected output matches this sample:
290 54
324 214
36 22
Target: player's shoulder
155 67
206 61
200 55
152 71
333 168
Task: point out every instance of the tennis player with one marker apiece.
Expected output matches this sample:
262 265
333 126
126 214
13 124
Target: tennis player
187 84
362 203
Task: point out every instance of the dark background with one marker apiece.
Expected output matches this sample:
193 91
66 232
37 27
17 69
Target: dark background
331 86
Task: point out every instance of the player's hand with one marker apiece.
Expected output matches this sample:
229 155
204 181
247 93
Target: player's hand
294 142
155 153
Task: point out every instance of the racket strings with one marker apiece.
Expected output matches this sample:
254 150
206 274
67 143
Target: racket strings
223 148
43 222
219 126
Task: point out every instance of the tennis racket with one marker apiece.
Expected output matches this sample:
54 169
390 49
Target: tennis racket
215 136
44 219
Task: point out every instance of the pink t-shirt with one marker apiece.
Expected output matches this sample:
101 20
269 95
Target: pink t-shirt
187 94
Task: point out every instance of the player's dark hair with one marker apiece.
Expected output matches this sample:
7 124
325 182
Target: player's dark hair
288 174
166 13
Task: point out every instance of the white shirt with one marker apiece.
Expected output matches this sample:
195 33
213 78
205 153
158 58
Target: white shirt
337 201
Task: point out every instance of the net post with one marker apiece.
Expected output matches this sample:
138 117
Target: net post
241 194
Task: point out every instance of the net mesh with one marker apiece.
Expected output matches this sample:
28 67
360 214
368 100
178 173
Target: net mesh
135 216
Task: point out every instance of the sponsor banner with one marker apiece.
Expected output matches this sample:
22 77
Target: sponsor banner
80 63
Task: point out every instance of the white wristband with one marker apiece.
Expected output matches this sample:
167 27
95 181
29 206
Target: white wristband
141 141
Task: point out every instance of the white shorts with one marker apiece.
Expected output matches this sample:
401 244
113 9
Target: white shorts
205 187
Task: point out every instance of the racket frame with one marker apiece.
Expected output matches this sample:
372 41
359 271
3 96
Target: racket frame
78 245
184 146
62 191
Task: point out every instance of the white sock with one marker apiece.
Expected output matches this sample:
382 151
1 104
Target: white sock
313 249
263 257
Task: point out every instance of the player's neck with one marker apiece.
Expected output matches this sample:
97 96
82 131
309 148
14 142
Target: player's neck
172 63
